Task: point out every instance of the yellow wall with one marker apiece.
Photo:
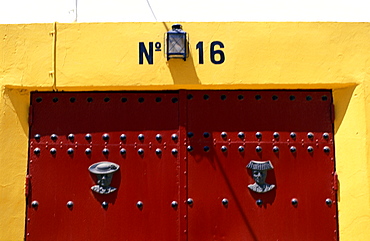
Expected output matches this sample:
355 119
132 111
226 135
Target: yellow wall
104 56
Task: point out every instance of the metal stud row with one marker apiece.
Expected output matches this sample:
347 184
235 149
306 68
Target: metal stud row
259 202
258 149
107 99
158 99
174 151
258 135
259 97
174 137
294 202
70 204
189 201
105 151
105 137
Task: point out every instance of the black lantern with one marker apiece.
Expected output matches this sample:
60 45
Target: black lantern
177 44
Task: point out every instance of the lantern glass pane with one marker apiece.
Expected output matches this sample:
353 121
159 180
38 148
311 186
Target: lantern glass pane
176 43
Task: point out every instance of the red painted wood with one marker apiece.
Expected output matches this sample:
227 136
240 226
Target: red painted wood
216 175
150 178
206 177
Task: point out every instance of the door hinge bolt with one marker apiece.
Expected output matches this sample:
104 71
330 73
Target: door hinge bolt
335 182
71 137
27 185
174 151
140 137
139 204
37 137
37 151
88 151
104 205
224 148
35 204
241 149
332 114
88 137
53 151
258 149
190 201
174 204
70 204
310 149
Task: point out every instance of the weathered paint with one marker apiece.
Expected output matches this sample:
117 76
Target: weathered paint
104 56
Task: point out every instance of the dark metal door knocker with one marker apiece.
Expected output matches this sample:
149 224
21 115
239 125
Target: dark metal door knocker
104 172
259 172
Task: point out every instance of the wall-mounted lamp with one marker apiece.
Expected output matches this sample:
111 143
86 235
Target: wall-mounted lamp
177 43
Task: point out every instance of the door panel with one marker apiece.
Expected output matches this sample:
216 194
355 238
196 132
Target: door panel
216 175
58 178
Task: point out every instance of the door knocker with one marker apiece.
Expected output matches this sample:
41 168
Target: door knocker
259 173
104 172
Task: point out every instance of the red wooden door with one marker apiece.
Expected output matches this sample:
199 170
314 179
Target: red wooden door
183 166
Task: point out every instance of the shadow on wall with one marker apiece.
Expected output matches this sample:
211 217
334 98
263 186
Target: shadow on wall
183 72
342 96
18 101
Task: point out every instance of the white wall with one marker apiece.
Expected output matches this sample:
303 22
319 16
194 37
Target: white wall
41 11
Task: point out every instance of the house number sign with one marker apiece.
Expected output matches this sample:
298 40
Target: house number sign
216 54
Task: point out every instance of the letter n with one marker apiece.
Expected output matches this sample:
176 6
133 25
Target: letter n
143 51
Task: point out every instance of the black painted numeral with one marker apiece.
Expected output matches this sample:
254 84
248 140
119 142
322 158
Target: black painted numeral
217 56
219 52
200 47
